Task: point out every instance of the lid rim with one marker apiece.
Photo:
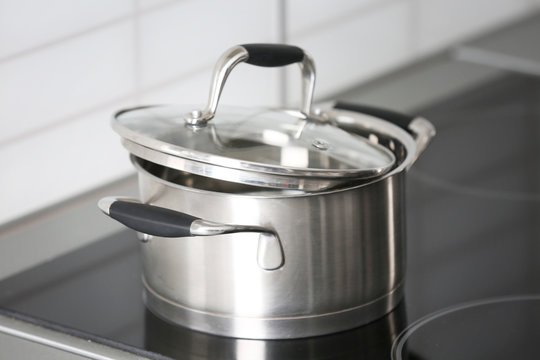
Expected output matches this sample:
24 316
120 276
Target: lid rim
260 168
150 147
275 181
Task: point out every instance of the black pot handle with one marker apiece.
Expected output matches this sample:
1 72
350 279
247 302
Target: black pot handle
421 129
148 219
162 222
266 55
273 55
399 119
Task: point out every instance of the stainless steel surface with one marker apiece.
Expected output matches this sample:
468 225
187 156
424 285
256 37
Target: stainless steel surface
271 327
222 69
423 132
105 203
404 145
209 228
269 250
251 174
343 249
307 67
262 148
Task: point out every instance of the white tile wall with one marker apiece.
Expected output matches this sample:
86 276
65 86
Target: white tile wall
356 48
26 24
189 36
440 22
54 83
151 4
65 66
305 16
60 162
246 85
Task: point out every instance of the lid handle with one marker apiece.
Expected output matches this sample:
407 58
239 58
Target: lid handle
266 55
273 55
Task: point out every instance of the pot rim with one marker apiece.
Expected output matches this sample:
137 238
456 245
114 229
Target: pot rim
343 118
149 141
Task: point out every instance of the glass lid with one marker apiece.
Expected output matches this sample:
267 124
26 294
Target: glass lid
254 141
282 149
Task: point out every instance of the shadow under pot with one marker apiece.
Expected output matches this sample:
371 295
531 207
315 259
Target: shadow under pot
371 341
269 224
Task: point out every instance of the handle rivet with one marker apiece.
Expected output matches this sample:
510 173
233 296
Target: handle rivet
144 238
321 144
195 118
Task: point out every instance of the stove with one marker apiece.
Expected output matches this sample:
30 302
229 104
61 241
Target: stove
473 243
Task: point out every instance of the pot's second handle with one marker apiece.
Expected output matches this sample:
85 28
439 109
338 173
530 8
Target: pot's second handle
399 119
422 130
163 222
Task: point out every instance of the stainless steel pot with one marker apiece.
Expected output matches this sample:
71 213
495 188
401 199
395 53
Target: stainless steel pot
239 259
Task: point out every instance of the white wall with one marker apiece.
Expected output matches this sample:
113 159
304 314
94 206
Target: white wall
66 66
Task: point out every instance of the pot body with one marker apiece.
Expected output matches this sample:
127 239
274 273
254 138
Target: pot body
344 259
298 264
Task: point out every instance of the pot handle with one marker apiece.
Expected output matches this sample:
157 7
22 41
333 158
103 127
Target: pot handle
158 221
266 55
421 129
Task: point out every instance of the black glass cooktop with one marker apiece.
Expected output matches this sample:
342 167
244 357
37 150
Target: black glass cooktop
494 328
473 238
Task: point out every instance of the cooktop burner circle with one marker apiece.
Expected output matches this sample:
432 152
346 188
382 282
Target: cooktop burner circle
494 328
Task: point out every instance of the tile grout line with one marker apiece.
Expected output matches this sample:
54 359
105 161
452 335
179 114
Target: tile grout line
74 117
61 40
81 33
351 15
414 30
136 38
62 121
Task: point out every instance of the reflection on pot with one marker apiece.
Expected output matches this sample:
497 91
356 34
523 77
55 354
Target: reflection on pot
372 341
